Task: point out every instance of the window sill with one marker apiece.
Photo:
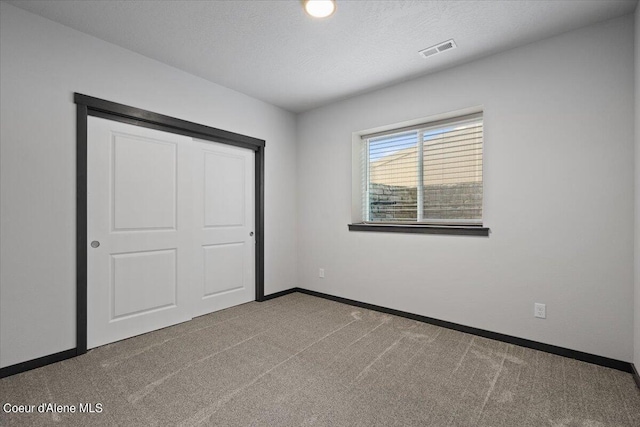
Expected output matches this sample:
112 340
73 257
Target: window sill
455 230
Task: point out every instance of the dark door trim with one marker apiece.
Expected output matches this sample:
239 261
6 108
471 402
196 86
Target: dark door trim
90 106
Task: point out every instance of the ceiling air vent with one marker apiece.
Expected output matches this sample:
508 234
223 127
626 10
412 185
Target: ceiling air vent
441 47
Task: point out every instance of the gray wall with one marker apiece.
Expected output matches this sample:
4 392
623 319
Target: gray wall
41 64
558 196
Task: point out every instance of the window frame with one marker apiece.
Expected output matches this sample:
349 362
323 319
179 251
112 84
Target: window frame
360 181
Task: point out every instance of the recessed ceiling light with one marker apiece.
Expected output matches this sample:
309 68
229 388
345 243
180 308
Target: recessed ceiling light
319 8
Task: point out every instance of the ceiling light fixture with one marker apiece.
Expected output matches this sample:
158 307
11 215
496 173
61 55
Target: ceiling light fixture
319 8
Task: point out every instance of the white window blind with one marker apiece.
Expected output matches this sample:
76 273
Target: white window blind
430 173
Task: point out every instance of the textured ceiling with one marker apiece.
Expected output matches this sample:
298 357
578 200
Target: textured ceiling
272 51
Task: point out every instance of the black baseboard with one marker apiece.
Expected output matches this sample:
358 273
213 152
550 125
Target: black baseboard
279 294
37 363
67 354
548 348
636 376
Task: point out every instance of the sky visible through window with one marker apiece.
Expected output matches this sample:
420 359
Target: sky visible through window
391 144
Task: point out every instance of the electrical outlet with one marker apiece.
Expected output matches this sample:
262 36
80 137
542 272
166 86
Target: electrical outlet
321 273
540 310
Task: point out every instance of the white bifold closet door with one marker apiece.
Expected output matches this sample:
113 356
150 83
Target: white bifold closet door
170 229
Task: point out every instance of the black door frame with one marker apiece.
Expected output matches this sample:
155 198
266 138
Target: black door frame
90 106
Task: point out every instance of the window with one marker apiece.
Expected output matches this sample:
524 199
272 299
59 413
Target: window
430 174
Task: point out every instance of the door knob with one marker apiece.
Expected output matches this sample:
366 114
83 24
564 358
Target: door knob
251 233
95 244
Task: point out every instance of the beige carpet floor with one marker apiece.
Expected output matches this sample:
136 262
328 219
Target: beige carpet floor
299 360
